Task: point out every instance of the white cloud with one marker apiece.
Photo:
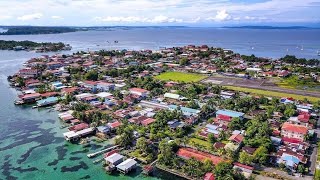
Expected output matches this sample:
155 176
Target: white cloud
5 17
56 17
136 19
30 17
221 15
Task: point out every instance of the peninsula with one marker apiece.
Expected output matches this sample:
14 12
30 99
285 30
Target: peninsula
197 112
26 30
33 46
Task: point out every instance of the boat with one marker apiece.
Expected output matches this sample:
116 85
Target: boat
318 52
301 48
116 41
85 142
33 107
18 102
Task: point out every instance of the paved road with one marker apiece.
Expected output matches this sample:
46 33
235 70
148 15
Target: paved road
285 174
256 84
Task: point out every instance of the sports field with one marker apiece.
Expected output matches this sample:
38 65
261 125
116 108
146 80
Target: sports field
180 76
273 93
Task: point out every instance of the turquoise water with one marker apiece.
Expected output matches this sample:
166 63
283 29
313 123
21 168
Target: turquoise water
31 142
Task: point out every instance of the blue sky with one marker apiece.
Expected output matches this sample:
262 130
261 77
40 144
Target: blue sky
159 12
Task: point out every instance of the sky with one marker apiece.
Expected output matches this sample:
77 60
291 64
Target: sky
159 12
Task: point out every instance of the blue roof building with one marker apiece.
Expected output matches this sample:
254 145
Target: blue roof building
47 101
233 114
186 111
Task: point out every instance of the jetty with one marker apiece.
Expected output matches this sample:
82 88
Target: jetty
102 151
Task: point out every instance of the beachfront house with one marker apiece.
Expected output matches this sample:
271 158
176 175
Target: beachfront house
127 165
114 159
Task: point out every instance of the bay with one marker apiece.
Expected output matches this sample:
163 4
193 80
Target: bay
31 142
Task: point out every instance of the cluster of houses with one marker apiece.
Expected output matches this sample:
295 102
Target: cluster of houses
290 138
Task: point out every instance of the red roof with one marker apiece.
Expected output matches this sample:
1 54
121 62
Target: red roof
224 117
79 127
110 153
33 95
49 94
90 82
295 128
138 90
291 140
209 176
147 121
304 118
200 156
115 124
243 166
237 138
69 90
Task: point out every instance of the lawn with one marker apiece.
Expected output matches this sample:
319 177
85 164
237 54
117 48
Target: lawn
293 82
273 93
194 141
180 76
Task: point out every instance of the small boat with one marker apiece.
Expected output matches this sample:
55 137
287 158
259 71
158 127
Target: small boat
85 142
33 107
116 41
318 52
18 102
301 48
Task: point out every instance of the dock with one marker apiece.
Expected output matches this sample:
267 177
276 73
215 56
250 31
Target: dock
102 151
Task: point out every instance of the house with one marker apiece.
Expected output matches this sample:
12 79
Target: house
236 138
244 169
30 97
71 90
127 165
219 145
74 136
139 91
249 150
28 73
225 116
114 159
103 129
92 85
175 124
47 101
209 176
57 85
114 125
79 127
294 131
53 65
147 122
185 111
174 96
105 86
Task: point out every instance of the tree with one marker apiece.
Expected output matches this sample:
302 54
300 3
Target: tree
211 138
235 124
245 158
142 144
223 170
126 137
207 165
91 75
301 169
261 155
184 61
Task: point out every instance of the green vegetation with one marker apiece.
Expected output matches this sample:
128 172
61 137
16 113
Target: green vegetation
22 30
195 142
294 82
273 93
30 45
180 76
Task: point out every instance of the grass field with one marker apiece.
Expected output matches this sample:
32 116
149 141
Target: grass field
180 76
273 93
200 142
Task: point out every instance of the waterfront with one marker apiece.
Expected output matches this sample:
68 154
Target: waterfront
31 143
261 42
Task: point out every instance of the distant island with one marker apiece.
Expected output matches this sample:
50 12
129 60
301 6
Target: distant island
30 46
269 27
25 30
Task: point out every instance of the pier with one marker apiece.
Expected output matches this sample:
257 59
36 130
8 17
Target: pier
102 151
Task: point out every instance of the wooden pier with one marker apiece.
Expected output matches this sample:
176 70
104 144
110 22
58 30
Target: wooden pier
102 151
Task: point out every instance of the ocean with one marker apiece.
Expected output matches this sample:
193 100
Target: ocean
31 142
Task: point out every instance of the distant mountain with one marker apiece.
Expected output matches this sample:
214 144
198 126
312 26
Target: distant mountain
269 27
